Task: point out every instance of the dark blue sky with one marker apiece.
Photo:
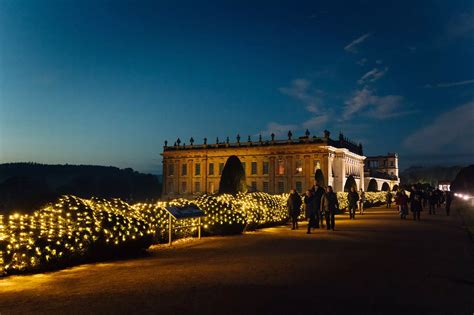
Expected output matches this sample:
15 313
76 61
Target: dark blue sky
106 82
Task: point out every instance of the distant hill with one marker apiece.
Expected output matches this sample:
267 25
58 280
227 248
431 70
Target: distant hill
26 186
428 175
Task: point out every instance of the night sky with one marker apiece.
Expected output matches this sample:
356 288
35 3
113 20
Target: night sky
107 82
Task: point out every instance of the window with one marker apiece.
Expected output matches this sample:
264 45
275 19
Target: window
211 168
170 169
221 167
197 187
281 167
197 169
317 165
253 186
281 187
265 187
211 187
299 187
391 163
265 168
373 164
253 170
170 187
183 187
184 169
243 166
299 167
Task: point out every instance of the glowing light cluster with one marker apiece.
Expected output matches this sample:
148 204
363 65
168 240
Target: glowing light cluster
74 227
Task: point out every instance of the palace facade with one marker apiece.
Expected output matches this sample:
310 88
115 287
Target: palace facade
272 166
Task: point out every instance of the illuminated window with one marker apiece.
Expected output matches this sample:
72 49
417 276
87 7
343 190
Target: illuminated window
221 167
265 168
253 170
197 169
281 167
170 169
211 168
265 187
281 187
197 187
183 187
299 187
317 165
184 169
299 167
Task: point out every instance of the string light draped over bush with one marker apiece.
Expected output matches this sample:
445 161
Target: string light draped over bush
72 229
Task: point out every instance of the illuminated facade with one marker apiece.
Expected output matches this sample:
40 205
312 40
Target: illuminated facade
273 166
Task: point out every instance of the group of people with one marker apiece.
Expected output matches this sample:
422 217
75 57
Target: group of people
419 199
320 204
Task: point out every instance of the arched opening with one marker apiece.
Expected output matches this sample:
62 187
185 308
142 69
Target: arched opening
319 177
395 188
385 187
350 182
372 185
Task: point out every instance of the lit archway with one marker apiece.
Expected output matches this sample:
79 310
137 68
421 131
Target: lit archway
372 185
350 182
395 188
385 187
319 177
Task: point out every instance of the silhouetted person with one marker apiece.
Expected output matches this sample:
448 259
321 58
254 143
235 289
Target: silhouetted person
318 193
294 205
352 198
310 209
402 202
416 199
361 201
388 199
330 205
433 201
449 199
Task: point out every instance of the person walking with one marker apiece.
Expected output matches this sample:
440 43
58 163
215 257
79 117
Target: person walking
449 199
310 209
402 201
294 208
433 201
329 204
361 201
388 199
416 203
318 193
352 198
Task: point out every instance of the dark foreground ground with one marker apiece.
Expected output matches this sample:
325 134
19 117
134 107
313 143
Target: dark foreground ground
375 264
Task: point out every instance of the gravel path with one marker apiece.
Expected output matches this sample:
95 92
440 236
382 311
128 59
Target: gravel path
374 264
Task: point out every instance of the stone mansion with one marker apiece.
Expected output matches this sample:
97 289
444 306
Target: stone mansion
276 166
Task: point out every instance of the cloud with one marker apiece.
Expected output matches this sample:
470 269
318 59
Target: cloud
367 102
301 90
412 49
372 76
379 61
450 84
460 25
352 46
316 122
451 130
362 62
